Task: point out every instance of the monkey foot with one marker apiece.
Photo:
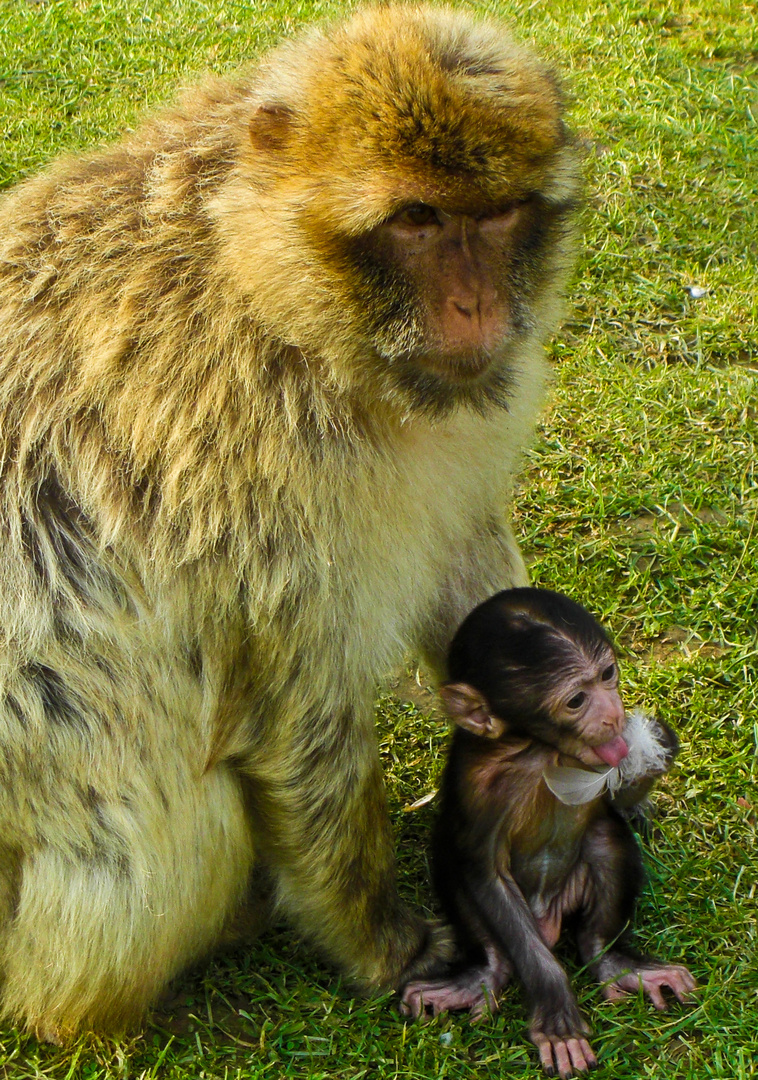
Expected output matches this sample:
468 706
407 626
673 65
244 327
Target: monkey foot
652 980
475 989
563 1056
49 1033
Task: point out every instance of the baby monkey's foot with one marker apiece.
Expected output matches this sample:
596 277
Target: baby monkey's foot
475 989
653 978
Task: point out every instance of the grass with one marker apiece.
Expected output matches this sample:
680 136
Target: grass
639 498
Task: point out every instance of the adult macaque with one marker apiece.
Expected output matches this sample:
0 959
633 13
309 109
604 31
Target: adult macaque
266 367
528 834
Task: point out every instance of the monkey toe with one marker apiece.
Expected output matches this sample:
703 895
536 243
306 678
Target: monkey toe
684 985
420 1000
677 979
653 981
467 992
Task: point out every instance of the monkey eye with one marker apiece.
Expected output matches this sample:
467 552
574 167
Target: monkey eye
497 212
420 214
609 672
577 700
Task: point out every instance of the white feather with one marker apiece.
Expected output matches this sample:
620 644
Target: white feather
647 756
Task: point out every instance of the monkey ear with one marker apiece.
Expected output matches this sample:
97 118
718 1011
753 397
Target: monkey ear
270 126
469 710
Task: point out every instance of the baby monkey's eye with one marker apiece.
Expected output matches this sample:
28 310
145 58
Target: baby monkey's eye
609 672
577 701
420 214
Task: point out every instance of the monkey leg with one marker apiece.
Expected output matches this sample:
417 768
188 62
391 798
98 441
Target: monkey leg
325 828
100 927
615 874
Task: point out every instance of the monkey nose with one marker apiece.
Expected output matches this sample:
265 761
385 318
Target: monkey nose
469 308
469 321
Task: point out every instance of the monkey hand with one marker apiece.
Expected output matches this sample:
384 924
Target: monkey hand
560 1034
653 746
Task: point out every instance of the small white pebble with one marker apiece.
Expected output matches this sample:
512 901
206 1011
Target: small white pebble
697 292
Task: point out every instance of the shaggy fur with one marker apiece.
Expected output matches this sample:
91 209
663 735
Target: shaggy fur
224 512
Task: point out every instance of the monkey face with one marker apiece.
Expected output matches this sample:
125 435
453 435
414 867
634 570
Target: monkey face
456 263
589 714
416 201
533 664
450 293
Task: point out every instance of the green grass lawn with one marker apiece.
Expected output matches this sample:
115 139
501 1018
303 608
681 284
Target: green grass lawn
639 498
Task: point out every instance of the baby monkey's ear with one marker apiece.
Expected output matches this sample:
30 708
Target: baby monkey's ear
470 710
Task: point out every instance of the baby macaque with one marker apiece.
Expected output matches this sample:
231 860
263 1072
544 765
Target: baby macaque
530 832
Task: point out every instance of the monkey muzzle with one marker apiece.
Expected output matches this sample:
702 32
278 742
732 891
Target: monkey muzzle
645 755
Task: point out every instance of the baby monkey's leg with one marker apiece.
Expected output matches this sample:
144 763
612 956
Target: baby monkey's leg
614 882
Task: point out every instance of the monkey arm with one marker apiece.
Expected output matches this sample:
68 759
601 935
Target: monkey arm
556 1027
507 917
492 561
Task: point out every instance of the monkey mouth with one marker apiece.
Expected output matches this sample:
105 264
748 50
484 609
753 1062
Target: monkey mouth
458 368
438 384
613 751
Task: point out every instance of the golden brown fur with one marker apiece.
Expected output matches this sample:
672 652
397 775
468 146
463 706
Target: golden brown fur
225 516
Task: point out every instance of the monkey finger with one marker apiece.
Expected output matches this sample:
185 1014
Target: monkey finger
564 1056
572 1056
545 1050
582 1055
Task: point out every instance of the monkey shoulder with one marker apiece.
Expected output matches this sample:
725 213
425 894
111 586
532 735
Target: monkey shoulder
497 782
476 781
80 229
